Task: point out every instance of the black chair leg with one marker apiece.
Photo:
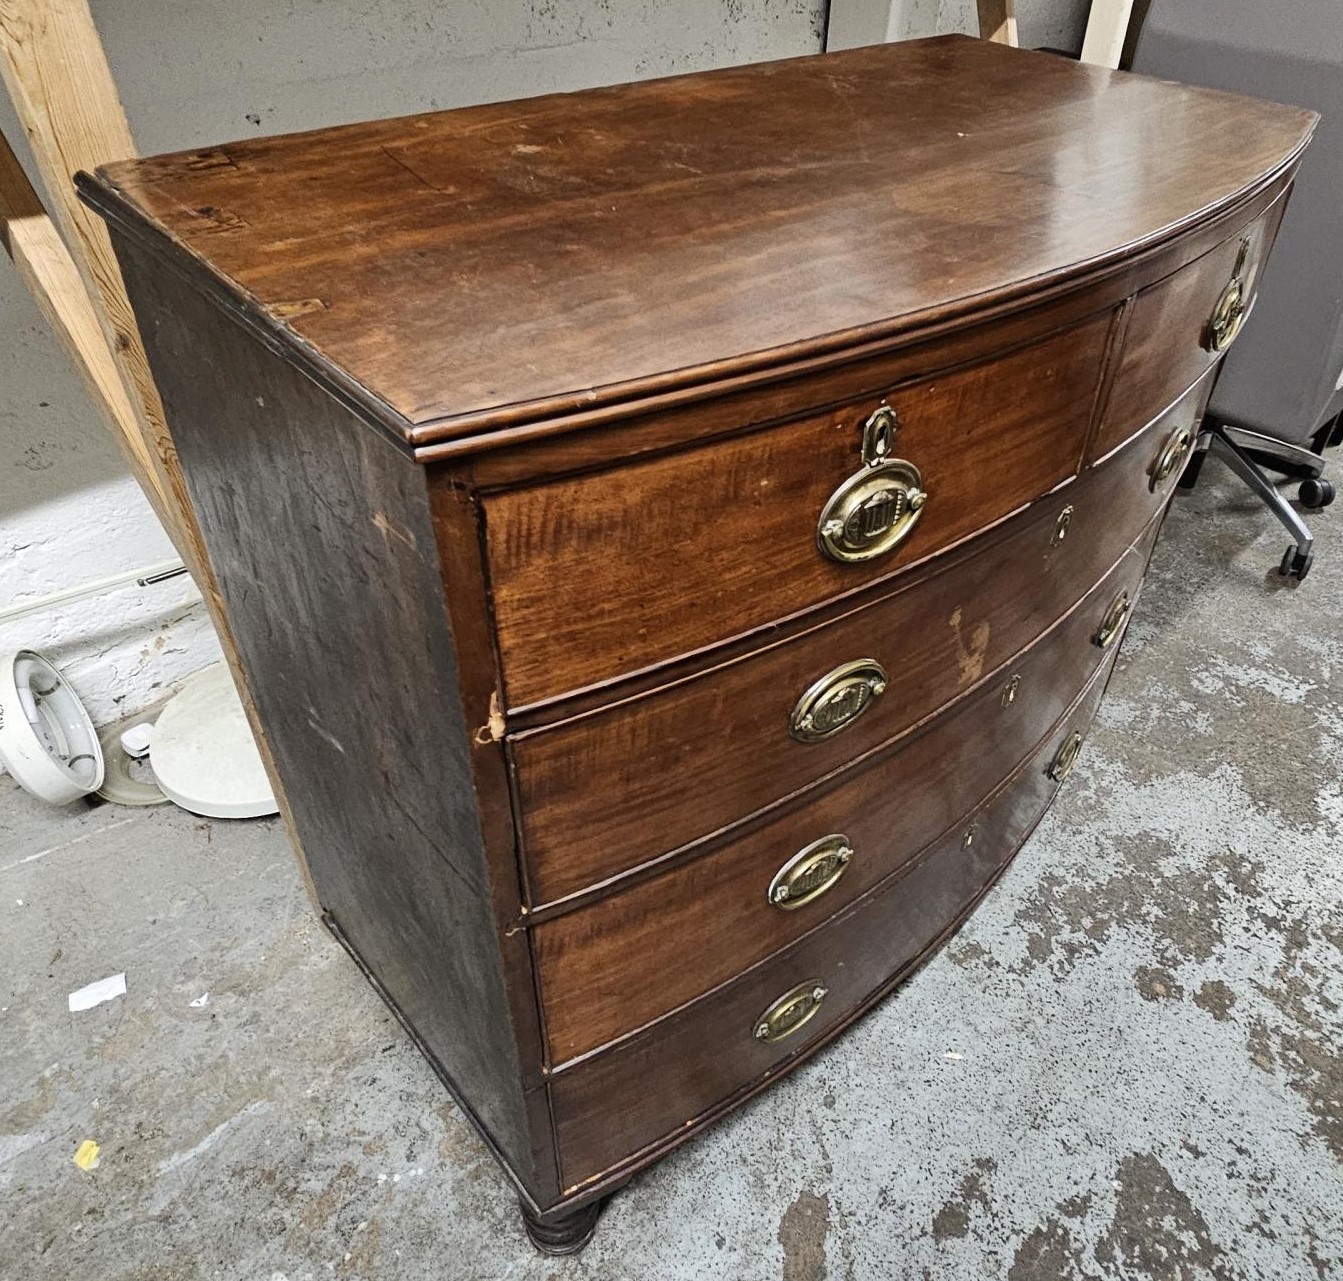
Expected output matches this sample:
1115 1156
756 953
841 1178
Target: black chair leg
1299 557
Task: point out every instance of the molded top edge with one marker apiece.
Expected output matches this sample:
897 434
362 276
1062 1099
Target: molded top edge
461 273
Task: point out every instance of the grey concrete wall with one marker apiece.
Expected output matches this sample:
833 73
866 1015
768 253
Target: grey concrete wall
192 74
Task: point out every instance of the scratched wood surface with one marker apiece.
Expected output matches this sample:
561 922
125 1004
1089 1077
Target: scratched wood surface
679 552
608 969
531 696
502 262
705 1059
662 755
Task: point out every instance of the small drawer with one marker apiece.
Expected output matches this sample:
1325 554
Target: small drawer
686 760
616 571
610 968
688 1067
1181 326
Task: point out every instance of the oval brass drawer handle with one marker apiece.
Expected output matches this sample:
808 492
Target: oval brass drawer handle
792 1011
810 872
1228 315
1113 621
874 510
838 699
1171 456
1066 757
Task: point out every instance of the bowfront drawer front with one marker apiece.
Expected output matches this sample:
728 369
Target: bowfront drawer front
612 572
685 761
610 968
620 1103
1180 327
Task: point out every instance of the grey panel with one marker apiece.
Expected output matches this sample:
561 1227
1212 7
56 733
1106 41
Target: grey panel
1282 375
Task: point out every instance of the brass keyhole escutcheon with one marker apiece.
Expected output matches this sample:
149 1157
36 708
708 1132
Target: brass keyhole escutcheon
838 699
791 1012
1113 622
810 872
1171 456
1011 690
1061 526
875 509
1066 757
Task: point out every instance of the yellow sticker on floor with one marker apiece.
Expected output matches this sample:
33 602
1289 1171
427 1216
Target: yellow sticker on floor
86 1155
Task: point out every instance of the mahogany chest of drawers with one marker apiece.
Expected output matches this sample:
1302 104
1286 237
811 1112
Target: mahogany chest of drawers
677 535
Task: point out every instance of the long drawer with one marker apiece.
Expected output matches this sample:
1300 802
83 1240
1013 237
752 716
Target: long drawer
708 1056
685 761
609 968
665 557
1180 326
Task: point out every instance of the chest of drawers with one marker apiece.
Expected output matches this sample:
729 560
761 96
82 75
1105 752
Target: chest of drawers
677 535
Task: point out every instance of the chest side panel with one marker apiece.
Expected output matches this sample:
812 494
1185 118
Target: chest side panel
321 538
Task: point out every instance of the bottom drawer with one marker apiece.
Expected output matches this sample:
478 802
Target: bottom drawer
653 1089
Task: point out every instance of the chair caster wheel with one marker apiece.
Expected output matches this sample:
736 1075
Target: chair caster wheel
1296 563
1315 494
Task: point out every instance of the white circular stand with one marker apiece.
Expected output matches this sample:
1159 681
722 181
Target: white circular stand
203 754
47 741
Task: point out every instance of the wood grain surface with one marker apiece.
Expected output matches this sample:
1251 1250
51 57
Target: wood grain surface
666 556
608 969
1164 345
512 261
684 761
530 701
331 575
705 1058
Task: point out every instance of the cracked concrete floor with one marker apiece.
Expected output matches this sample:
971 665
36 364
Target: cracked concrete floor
1126 1065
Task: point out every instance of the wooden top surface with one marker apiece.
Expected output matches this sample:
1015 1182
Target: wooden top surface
504 263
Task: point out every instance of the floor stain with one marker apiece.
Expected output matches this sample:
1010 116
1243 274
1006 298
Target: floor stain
953 1219
802 1233
1217 998
1047 1254
1156 984
1157 1232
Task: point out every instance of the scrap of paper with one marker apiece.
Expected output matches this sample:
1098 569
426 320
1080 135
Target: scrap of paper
107 989
86 1155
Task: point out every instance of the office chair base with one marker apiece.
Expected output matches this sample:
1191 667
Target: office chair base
1245 452
1315 494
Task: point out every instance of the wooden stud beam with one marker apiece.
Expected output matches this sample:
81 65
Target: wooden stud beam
54 67
998 21
1107 28
50 275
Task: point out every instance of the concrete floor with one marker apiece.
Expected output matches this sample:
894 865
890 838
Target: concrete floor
1125 1066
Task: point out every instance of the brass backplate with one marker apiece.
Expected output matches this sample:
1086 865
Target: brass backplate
1066 757
1113 622
835 701
1231 308
872 512
1228 317
1171 455
810 872
792 1011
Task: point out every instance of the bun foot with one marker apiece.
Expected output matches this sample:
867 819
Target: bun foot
562 1233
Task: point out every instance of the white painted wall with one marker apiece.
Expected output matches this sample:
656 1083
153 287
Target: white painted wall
192 74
